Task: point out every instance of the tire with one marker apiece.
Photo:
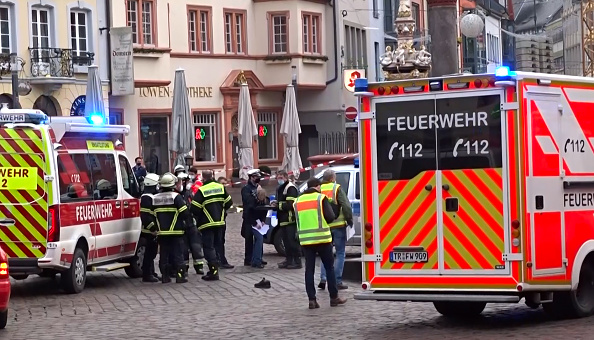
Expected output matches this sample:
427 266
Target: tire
278 243
74 278
134 270
578 303
3 319
455 309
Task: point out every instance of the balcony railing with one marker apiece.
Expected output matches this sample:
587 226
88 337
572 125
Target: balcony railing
57 62
337 142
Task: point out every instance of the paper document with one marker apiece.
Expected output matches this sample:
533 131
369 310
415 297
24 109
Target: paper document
350 232
263 227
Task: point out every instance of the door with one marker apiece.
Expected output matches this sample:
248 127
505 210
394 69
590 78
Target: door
406 186
471 183
130 223
441 184
547 199
155 143
23 193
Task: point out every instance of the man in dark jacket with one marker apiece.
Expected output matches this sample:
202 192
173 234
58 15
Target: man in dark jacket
149 228
139 171
249 198
286 193
208 207
192 237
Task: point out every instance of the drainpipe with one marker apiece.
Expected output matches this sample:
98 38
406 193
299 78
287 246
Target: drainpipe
108 24
333 5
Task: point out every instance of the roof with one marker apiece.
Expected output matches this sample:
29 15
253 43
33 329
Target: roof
525 10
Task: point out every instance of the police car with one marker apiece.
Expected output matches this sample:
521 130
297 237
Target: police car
68 197
348 178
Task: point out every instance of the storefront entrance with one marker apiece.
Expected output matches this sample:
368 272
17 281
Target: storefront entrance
154 142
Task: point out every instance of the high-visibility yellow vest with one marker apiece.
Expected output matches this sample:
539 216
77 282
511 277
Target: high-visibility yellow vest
311 225
330 190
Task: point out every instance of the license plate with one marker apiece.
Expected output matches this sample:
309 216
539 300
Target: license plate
408 256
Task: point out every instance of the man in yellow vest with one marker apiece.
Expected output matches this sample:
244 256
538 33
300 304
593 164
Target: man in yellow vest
342 209
314 213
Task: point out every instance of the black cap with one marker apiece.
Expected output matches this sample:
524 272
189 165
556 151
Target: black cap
313 182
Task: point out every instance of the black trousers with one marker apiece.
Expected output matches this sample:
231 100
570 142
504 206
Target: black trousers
211 240
221 249
193 244
324 250
246 232
171 253
150 252
289 233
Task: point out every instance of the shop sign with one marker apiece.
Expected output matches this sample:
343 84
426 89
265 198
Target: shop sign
122 61
78 106
349 77
167 92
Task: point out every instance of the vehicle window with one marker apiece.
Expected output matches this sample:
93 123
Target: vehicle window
75 178
128 178
357 187
405 137
104 174
344 179
472 139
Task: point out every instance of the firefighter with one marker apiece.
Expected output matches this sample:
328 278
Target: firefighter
192 237
314 214
342 209
149 228
286 193
178 169
209 207
173 218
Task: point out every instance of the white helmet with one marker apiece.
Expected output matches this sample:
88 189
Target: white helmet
103 184
151 180
168 180
179 168
182 176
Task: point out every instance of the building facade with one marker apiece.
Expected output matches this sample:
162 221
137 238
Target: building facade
52 43
273 42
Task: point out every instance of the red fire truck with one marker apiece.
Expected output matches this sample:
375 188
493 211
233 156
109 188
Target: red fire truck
479 189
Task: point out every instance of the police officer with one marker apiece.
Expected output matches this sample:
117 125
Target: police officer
209 208
314 213
286 193
192 237
173 218
149 228
344 216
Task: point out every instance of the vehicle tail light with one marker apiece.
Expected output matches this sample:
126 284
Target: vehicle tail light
395 89
515 224
381 90
368 235
478 83
3 269
365 285
53 225
492 82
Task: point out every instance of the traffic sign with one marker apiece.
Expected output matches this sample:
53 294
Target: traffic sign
350 113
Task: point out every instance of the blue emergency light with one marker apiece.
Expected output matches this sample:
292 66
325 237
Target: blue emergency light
361 85
502 71
96 119
356 162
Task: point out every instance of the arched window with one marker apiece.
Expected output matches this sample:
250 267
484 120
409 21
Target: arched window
47 104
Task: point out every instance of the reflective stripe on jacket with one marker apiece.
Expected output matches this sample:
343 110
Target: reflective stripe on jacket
312 227
209 205
171 213
331 191
147 216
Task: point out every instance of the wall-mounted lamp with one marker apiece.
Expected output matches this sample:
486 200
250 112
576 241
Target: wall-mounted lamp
294 75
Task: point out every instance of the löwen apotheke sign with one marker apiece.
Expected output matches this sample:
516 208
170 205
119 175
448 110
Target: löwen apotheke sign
167 92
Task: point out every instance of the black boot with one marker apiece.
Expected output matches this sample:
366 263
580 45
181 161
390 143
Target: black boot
199 268
295 264
149 278
213 273
284 264
165 277
181 276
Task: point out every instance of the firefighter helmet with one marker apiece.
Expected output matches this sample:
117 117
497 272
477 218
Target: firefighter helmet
182 176
168 180
151 180
179 168
103 184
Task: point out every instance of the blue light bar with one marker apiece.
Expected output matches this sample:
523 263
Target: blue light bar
96 119
502 71
356 162
361 85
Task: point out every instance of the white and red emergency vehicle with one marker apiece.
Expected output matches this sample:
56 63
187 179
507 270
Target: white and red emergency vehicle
68 198
479 189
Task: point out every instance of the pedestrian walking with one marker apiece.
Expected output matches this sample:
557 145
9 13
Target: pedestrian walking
286 193
221 249
249 200
192 236
173 218
140 172
208 207
149 228
342 209
314 213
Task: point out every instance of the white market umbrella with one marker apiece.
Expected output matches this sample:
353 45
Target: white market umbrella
246 132
94 106
183 136
290 130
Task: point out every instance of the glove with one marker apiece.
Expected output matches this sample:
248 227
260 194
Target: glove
349 222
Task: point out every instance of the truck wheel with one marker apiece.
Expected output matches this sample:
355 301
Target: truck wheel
578 303
134 270
3 319
74 278
278 243
455 309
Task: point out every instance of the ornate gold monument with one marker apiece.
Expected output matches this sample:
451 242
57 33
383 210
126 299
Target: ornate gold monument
405 62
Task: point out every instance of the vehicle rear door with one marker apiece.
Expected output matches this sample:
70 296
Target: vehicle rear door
23 192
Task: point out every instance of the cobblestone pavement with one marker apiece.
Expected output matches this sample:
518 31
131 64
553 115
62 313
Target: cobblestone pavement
116 307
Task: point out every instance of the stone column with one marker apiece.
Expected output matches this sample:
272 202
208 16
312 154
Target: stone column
442 19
